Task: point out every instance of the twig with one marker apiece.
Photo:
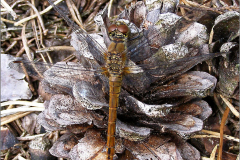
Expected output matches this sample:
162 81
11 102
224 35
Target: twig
11 46
215 135
8 21
42 44
28 138
55 48
25 103
13 29
224 118
19 124
7 112
70 57
20 52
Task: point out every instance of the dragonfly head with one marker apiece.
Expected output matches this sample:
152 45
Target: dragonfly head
118 31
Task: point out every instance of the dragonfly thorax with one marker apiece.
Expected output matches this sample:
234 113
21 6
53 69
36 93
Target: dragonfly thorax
115 59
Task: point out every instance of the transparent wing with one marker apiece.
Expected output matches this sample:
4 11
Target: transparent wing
37 69
159 72
144 45
138 81
85 84
95 48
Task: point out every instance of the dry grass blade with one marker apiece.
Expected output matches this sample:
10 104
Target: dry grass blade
17 110
109 7
34 16
21 51
6 20
56 48
215 135
231 107
25 45
9 9
74 12
42 43
11 46
198 6
27 49
7 155
19 157
211 36
28 138
41 29
11 118
27 103
45 31
212 156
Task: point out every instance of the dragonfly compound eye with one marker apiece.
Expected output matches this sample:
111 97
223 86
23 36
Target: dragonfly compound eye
123 28
112 27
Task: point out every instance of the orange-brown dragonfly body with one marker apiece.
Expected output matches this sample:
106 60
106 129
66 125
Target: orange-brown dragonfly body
114 69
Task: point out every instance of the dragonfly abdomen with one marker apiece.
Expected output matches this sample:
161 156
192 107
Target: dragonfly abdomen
114 90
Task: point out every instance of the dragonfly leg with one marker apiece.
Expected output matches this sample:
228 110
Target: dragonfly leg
105 71
126 70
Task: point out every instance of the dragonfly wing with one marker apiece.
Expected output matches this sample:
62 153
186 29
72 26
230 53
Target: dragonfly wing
132 67
139 49
91 95
153 37
94 47
85 84
69 73
157 71
165 71
62 73
84 55
34 69
137 81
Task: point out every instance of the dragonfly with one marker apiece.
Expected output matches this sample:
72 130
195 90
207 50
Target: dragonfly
127 53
